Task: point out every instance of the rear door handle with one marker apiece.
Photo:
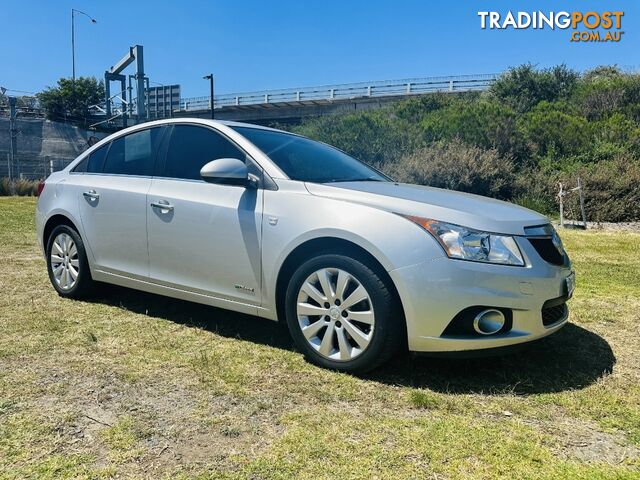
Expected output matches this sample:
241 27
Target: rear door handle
162 205
91 195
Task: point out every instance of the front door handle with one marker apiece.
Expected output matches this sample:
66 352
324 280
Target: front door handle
91 195
162 205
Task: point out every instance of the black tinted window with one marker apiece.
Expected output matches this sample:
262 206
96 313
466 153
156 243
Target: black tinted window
96 159
82 166
93 163
304 159
133 154
191 147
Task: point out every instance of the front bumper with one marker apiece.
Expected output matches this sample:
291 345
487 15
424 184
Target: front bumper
434 292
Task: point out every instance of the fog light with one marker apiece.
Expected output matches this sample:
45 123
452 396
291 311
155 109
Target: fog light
488 322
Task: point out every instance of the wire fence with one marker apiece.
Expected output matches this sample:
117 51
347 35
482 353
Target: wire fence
30 167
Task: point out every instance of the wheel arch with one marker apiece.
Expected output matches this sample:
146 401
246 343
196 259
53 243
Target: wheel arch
322 245
54 221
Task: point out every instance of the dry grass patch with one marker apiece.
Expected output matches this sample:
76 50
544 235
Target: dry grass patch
134 385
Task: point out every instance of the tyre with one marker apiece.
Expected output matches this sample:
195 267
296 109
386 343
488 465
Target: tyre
342 314
67 263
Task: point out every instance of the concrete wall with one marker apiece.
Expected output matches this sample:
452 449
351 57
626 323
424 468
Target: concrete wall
43 146
45 138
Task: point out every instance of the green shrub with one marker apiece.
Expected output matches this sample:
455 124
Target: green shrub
375 137
414 109
523 87
605 91
618 132
552 129
536 189
20 187
482 122
457 166
5 188
611 191
540 204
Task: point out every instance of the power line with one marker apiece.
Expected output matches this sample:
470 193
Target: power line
18 91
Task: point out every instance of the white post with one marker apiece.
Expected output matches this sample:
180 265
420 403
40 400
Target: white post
561 198
584 216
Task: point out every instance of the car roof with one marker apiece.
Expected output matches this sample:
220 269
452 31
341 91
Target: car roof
203 121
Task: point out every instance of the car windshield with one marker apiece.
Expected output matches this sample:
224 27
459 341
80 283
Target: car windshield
309 161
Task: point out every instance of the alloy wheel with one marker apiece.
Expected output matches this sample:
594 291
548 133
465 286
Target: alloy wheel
335 314
65 263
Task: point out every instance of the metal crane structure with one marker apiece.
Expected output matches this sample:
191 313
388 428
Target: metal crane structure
114 74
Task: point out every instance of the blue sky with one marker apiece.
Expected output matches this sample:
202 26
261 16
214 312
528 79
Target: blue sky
255 45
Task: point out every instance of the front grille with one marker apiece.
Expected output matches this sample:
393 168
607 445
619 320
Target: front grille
547 250
553 314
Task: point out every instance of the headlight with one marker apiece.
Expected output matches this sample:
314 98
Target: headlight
468 244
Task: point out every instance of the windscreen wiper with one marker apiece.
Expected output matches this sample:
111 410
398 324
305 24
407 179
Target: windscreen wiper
368 179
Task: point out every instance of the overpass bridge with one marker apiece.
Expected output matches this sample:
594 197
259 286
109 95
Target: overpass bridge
294 104
283 105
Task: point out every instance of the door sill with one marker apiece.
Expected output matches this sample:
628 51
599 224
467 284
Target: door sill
153 287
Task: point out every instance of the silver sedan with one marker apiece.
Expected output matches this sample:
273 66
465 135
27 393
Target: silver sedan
276 225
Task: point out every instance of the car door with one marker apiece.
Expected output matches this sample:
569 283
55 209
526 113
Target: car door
204 237
113 202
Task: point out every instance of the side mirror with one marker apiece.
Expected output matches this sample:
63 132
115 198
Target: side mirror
228 171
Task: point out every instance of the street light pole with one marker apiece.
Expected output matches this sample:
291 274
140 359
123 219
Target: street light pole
210 78
73 39
73 47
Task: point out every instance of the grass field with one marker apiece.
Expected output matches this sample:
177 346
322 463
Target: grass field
135 385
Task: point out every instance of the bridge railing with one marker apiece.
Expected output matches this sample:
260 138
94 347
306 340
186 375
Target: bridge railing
410 86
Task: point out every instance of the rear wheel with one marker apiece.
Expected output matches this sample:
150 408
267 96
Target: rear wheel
67 263
342 314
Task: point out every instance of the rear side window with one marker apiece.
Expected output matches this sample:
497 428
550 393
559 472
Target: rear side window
133 154
93 163
96 159
191 147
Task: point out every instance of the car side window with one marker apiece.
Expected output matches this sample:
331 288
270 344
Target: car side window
96 159
93 163
133 154
191 147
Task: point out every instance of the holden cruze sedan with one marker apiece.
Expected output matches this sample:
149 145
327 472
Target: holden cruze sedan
276 225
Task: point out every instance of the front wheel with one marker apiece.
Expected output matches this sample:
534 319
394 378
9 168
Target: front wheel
342 314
